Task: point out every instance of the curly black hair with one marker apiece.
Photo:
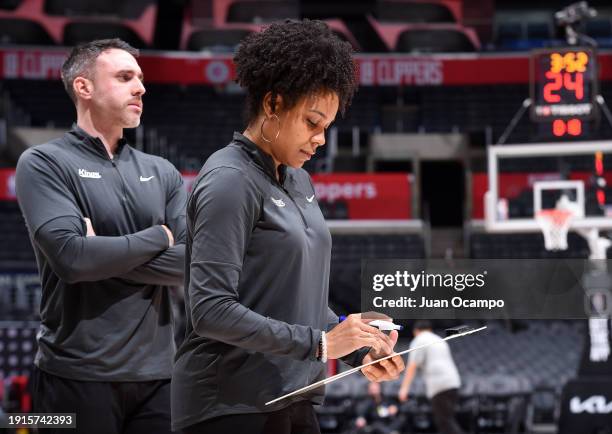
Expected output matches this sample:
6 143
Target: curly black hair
294 59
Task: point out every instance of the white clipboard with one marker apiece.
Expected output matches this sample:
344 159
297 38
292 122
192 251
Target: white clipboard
359 368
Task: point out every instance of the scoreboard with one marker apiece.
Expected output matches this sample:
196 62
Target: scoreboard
564 88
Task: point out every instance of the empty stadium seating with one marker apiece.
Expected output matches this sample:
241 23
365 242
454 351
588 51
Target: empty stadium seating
199 119
17 348
215 40
349 250
115 8
15 245
510 246
17 31
434 40
32 23
426 38
523 26
414 12
508 379
262 11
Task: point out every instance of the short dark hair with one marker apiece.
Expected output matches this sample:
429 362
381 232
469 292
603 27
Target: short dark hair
82 58
422 324
294 59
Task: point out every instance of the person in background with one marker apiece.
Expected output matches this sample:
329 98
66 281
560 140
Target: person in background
442 381
377 414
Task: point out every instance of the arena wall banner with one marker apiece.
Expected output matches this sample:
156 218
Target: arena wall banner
7 184
373 70
367 196
586 406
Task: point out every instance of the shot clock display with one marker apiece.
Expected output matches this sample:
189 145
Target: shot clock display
563 88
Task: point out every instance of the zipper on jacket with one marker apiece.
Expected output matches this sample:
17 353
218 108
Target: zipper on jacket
297 207
123 187
262 167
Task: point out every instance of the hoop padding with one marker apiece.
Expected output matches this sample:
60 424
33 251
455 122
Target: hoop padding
555 224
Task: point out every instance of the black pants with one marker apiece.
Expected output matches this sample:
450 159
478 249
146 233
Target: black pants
443 408
104 407
298 418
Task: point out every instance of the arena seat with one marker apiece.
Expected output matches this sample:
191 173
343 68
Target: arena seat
9 5
516 30
537 352
15 246
539 30
17 31
426 37
508 32
413 12
63 29
433 41
338 409
17 348
262 11
541 409
132 9
78 32
349 250
599 28
216 40
342 31
517 246
36 96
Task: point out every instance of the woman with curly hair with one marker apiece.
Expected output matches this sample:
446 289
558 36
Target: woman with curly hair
258 324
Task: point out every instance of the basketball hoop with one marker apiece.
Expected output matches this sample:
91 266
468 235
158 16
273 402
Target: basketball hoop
555 224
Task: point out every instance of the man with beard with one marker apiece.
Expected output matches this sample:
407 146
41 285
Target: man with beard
107 223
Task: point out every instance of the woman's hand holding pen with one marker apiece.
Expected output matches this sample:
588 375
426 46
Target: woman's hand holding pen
355 333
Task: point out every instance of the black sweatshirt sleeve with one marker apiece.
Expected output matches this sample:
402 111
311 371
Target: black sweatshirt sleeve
224 208
55 222
43 191
168 268
75 257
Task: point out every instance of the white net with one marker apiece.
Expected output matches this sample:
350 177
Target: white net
555 224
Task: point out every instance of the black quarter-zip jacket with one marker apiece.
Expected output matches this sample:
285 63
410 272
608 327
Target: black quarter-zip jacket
256 288
105 307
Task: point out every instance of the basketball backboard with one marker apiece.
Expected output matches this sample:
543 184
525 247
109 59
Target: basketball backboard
525 179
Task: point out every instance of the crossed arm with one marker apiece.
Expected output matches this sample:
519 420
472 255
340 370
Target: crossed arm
59 229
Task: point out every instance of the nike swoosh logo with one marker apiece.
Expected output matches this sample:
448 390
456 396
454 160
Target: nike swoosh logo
143 179
309 199
278 202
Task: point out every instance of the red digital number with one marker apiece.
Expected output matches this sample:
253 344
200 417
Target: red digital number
577 85
573 127
554 86
558 128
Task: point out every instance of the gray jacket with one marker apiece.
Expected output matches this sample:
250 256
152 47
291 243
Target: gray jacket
105 308
256 288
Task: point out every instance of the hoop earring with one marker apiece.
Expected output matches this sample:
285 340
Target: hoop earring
277 133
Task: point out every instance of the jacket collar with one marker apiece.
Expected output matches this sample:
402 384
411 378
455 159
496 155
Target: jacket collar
94 142
261 158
